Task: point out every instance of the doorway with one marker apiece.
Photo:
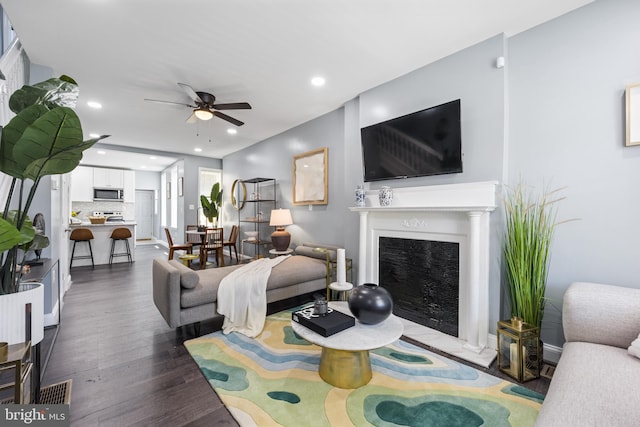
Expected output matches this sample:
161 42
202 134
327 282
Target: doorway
145 213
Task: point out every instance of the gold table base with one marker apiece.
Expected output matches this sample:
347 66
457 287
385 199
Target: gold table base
345 369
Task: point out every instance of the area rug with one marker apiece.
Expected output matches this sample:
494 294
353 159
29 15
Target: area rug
273 380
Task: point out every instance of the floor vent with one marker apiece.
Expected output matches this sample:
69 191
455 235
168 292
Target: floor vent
547 371
54 394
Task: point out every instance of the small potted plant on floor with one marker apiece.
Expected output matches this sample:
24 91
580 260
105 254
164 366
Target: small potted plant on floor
530 222
44 138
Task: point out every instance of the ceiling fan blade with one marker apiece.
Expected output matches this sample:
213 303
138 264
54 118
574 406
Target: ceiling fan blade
170 102
228 118
192 119
192 93
233 106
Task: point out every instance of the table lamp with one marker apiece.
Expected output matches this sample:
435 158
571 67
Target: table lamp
281 237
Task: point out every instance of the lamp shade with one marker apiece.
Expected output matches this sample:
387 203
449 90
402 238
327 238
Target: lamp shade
280 218
203 113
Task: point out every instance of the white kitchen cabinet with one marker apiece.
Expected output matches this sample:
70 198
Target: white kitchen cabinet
82 184
108 178
129 186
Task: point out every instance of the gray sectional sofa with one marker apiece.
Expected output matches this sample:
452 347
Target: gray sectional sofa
597 380
184 296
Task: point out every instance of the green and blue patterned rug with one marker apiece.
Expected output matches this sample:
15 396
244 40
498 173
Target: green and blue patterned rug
273 380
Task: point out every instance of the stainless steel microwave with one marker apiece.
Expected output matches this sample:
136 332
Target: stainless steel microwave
108 194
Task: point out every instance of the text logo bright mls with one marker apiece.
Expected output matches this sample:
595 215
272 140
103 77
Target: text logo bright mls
37 415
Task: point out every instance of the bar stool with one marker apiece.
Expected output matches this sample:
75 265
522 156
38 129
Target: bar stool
120 234
81 235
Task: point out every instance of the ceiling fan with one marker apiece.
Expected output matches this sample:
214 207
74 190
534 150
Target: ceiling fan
205 107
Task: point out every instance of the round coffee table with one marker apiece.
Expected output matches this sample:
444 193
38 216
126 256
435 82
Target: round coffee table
345 361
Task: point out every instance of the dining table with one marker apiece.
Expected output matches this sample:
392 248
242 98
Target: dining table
203 244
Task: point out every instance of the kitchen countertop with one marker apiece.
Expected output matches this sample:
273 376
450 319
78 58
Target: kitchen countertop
106 224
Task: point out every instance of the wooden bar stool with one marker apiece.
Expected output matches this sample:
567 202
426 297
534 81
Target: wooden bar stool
124 234
81 235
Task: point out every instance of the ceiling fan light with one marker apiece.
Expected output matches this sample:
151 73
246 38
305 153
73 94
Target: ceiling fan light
203 114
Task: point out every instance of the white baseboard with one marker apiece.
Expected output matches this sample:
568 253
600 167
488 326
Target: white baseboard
551 353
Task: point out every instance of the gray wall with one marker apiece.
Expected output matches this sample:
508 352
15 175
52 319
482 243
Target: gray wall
272 158
566 94
554 115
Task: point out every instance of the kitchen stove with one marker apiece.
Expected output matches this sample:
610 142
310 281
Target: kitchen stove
112 216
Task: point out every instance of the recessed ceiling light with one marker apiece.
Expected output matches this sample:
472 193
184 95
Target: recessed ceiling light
197 150
94 135
152 157
143 167
94 104
318 81
232 131
102 152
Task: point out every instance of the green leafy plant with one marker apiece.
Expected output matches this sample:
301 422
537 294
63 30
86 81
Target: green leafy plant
530 225
44 138
211 206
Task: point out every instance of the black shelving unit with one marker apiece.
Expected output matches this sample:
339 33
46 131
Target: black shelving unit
261 199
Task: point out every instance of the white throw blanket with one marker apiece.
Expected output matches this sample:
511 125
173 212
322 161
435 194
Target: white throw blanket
242 297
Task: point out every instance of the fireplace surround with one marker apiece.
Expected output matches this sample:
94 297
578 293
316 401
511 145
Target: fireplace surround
456 213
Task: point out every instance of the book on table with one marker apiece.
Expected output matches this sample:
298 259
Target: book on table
326 325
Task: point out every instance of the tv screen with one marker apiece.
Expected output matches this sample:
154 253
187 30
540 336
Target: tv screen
426 142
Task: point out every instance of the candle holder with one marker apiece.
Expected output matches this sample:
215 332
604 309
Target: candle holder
519 349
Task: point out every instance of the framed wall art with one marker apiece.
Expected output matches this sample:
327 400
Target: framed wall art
310 178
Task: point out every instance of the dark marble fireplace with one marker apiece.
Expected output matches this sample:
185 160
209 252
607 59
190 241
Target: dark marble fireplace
423 277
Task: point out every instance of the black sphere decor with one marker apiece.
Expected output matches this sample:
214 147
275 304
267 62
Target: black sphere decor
370 303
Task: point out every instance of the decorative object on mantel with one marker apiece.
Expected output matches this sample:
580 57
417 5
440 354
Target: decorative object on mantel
310 178
370 303
519 349
360 203
281 237
385 194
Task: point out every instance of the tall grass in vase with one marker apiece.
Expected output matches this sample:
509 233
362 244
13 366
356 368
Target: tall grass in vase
530 225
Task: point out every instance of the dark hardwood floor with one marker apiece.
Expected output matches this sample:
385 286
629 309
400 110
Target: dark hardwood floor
128 367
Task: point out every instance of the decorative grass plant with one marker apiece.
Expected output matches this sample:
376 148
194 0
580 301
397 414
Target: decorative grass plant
531 222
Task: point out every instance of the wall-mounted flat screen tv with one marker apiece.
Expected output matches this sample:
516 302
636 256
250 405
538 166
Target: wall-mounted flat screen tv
423 143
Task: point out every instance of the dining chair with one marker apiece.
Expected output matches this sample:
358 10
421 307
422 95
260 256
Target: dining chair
233 238
194 239
179 247
215 239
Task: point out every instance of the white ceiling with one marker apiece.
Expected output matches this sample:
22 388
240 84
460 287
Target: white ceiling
261 52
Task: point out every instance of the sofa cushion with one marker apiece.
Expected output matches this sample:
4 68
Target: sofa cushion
593 385
634 348
310 250
294 270
206 290
188 278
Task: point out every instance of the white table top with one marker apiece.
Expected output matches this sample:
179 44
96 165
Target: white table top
357 338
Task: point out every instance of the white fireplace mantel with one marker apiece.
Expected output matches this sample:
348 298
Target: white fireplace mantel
455 212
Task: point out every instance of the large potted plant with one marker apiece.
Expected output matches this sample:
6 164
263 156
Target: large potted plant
530 225
44 138
211 206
